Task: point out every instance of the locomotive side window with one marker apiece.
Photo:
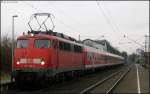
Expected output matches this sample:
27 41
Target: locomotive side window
77 49
55 44
64 46
22 43
42 43
67 47
61 45
72 48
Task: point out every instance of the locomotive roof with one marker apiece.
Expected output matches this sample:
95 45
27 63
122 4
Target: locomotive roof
42 36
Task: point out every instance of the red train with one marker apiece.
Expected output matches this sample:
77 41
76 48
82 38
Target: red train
47 56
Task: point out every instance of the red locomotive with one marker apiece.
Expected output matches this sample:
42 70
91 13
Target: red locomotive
46 55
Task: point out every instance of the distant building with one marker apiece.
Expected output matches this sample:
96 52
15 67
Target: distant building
147 56
102 45
140 57
147 44
147 50
96 44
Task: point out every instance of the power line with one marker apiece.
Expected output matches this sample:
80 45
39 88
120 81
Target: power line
115 24
60 21
124 42
106 17
135 41
67 25
73 29
139 38
62 12
108 20
132 40
30 5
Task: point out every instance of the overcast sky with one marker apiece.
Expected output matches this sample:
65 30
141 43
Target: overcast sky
89 19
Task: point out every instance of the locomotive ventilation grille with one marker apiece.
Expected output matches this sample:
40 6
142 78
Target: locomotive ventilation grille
22 61
35 61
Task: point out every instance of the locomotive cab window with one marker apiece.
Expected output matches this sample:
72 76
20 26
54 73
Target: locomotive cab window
22 43
42 43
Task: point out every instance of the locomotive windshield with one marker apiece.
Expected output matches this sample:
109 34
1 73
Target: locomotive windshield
42 43
22 43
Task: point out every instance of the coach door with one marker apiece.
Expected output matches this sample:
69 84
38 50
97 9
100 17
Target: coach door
93 60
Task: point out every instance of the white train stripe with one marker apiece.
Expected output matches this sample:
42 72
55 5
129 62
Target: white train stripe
100 65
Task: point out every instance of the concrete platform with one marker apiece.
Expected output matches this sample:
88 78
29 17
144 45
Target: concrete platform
136 81
5 81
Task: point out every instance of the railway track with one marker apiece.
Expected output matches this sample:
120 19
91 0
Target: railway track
75 85
6 85
107 84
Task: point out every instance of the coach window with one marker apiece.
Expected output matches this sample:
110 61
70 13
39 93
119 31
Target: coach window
42 43
88 56
22 43
104 57
100 57
109 58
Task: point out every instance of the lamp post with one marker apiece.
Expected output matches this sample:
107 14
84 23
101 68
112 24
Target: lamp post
14 16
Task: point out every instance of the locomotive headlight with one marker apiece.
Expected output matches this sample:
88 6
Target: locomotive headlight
42 62
18 62
32 35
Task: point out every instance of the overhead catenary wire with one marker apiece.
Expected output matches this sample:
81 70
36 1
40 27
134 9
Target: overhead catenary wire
60 10
114 22
30 5
139 38
65 14
60 21
117 29
106 17
132 40
135 41
75 30
110 22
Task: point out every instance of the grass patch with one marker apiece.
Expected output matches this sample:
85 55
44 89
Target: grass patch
5 76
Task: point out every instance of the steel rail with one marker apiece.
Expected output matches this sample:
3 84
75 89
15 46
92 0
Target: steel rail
6 86
117 82
100 82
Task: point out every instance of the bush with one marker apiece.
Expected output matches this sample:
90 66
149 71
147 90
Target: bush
6 55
